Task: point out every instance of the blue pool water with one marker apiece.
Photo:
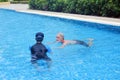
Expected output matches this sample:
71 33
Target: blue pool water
74 62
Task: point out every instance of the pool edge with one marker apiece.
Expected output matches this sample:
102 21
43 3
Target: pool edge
69 17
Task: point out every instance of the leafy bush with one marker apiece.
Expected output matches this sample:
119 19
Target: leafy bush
56 5
19 1
70 6
39 4
3 0
110 8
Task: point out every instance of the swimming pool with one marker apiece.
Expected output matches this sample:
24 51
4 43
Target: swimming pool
17 30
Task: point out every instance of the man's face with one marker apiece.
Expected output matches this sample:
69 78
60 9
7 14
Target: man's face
59 38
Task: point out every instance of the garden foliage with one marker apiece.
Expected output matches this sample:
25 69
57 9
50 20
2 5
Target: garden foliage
109 8
3 0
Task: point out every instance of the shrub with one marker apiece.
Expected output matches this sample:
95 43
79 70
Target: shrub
70 6
3 0
19 1
56 5
110 8
39 4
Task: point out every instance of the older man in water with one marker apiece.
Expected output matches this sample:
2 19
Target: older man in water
60 38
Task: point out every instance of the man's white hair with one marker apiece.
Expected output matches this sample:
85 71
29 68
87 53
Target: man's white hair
61 34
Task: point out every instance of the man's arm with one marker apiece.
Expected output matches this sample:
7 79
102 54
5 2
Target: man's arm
52 42
63 45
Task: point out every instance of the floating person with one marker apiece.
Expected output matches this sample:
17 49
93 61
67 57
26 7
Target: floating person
60 38
39 51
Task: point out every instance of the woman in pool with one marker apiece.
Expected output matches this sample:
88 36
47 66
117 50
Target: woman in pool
39 51
60 38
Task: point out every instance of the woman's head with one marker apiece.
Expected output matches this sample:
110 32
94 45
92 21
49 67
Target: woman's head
60 37
39 37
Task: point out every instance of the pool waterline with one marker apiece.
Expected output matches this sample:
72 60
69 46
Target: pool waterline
86 18
109 27
96 19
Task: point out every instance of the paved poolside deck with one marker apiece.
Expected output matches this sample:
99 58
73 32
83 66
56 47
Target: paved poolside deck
25 8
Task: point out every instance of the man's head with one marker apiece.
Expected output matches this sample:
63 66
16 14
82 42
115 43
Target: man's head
60 37
39 37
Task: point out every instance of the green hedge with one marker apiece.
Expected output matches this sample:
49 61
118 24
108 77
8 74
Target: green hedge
3 0
109 8
39 4
19 1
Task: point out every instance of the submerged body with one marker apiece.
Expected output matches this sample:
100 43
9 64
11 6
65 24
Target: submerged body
38 51
60 38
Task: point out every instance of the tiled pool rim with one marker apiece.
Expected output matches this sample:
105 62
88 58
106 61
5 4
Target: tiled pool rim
96 19
71 16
